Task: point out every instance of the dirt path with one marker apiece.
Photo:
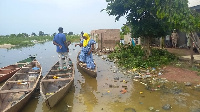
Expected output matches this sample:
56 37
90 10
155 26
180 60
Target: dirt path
178 74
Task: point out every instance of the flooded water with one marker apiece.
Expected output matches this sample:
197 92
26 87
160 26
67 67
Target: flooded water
113 90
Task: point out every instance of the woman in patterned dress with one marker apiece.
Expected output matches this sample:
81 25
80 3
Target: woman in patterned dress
85 56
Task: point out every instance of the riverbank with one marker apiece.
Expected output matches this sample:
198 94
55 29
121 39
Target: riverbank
180 70
19 42
6 46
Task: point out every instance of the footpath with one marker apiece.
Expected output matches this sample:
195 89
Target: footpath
184 54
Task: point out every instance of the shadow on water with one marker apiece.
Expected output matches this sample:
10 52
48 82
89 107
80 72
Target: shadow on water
113 90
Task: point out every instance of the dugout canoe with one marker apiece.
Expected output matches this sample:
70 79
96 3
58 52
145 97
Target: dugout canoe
10 70
83 67
55 84
18 89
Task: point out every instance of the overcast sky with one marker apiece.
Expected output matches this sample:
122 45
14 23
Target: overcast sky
27 16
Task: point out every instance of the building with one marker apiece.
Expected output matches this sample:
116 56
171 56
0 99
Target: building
106 38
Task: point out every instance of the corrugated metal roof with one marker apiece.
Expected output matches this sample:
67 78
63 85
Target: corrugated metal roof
193 3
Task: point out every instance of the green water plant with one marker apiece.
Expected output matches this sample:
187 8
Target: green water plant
135 57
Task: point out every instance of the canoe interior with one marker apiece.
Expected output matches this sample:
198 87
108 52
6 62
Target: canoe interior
53 89
10 70
16 88
52 86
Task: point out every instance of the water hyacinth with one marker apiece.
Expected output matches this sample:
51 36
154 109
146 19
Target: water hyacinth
134 57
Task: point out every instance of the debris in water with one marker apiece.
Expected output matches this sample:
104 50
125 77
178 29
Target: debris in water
123 91
167 107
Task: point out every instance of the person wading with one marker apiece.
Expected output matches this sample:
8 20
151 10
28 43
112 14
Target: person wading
61 48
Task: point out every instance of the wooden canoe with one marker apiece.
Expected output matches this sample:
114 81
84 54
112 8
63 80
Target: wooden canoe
83 67
18 89
10 70
55 84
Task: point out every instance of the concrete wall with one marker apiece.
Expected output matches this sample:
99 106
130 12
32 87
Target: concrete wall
127 38
106 38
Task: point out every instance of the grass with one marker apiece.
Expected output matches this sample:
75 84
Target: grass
185 64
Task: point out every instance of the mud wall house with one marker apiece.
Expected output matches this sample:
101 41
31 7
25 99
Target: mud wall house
182 41
106 38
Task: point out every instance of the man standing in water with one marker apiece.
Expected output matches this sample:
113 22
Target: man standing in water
61 48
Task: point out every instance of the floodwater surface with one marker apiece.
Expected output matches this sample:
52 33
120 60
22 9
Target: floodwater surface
113 90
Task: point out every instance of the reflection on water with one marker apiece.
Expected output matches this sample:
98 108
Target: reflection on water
88 88
103 93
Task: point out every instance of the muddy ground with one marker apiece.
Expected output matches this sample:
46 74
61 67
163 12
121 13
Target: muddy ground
181 72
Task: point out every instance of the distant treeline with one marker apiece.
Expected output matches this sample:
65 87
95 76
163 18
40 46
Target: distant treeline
30 41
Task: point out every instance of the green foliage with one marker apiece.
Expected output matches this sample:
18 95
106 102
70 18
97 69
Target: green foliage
121 36
134 57
41 33
141 15
22 41
178 14
125 29
154 18
70 33
73 38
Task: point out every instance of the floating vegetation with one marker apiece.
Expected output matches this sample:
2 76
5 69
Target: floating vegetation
135 57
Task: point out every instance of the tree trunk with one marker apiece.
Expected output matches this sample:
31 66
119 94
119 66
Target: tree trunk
148 50
161 42
191 49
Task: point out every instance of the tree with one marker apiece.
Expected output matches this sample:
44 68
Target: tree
20 35
181 17
12 35
125 29
25 34
121 35
70 33
54 34
33 34
141 15
41 33
153 18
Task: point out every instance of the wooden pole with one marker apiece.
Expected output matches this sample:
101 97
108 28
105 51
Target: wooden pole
191 48
101 42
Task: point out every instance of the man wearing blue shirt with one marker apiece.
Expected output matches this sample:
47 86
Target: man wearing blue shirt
61 47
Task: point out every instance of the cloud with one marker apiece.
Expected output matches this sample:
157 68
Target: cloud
192 3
